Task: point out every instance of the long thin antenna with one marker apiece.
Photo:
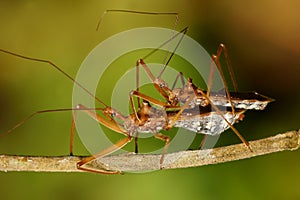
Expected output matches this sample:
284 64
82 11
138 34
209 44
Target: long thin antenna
135 12
177 45
166 42
59 69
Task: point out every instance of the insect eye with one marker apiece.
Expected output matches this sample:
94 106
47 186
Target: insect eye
113 114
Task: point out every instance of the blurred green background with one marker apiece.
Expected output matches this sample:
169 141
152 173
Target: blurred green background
263 42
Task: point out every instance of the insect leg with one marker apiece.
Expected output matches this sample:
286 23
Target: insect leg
136 149
180 75
72 132
153 101
167 140
222 48
182 108
212 70
113 148
216 59
160 85
229 124
203 142
142 13
110 123
149 99
46 111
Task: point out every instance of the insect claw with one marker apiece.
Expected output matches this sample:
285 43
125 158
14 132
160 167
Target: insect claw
241 117
140 61
121 173
167 127
161 162
250 148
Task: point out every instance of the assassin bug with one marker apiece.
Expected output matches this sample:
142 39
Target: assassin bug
180 108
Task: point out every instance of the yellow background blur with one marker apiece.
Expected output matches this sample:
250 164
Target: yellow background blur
263 41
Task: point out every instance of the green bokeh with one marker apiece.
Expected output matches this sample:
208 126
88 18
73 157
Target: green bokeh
262 38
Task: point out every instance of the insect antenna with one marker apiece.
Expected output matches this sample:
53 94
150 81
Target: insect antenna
143 13
40 112
150 13
173 52
59 69
136 12
183 31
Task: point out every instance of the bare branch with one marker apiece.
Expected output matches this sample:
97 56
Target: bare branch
145 162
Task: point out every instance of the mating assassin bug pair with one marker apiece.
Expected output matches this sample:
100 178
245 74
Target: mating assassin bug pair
187 106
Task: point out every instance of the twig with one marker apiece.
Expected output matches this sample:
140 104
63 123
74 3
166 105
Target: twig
140 163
